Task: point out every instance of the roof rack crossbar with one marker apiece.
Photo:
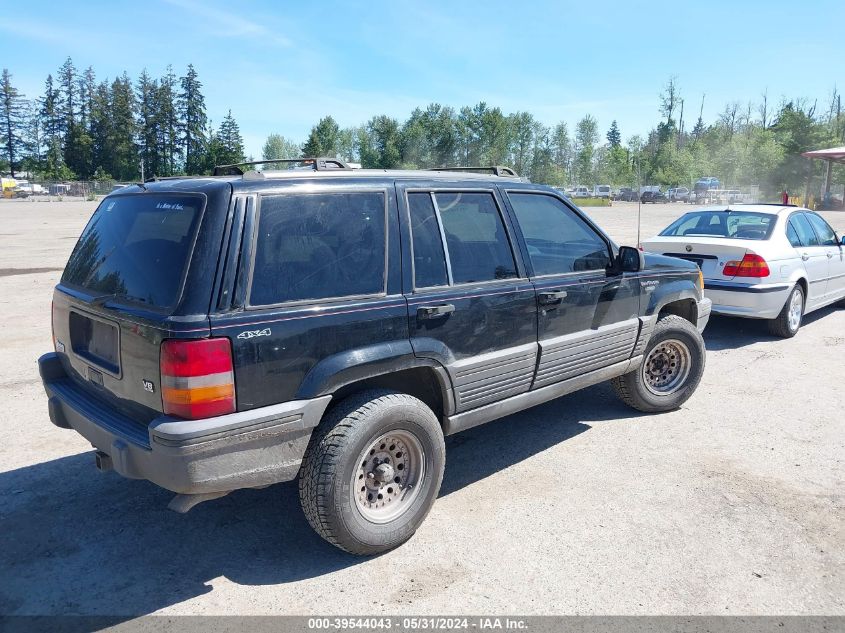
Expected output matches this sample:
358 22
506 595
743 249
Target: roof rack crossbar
318 164
496 170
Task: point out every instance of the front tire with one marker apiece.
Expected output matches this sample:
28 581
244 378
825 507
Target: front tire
372 471
788 322
672 367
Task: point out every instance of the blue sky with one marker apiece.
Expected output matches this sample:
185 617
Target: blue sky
282 65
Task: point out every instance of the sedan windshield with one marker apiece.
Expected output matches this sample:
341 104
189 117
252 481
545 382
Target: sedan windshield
739 225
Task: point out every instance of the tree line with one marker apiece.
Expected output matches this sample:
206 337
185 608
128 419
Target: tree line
81 128
755 144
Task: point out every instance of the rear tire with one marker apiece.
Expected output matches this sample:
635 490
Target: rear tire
372 471
788 322
672 367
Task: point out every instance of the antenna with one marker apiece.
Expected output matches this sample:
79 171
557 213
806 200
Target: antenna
639 201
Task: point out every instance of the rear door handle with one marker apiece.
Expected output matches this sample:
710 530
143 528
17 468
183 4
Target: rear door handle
805 257
431 312
556 296
829 255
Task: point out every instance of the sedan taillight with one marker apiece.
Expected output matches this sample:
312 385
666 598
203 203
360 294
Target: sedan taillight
752 265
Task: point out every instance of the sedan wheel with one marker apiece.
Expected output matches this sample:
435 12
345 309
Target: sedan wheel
788 322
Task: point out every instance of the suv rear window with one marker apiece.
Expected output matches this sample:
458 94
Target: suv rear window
319 246
137 248
739 225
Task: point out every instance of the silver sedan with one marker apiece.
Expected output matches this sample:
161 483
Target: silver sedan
760 261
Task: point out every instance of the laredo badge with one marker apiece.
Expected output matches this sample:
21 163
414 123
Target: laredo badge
253 333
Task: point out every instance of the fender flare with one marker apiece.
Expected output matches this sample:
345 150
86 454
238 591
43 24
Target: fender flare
358 364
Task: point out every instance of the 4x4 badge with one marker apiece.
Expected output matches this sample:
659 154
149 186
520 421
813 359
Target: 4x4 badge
253 333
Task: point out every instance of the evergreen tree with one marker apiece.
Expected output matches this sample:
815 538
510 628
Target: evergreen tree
52 125
68 90
101 126
168 123
146 91
12 122
614 137
124 163
230 147
191 109
323 139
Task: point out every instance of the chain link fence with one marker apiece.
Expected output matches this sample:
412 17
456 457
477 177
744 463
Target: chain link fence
59 189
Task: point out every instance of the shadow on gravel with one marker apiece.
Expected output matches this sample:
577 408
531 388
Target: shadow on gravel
724 332
74 541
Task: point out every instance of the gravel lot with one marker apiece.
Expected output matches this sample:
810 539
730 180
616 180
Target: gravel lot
732 505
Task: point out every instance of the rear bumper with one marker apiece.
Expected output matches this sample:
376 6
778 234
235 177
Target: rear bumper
240 450
758 301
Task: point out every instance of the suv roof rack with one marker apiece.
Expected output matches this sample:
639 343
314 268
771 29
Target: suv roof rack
496 170
317 164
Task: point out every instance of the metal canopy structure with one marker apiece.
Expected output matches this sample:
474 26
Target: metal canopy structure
832 155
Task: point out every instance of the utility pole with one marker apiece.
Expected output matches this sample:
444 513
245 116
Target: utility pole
681 125
142 170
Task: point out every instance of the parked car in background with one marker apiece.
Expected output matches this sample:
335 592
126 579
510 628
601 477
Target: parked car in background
678 194
654 197
26 189
332 325
627 194
601 191
760 261
581 192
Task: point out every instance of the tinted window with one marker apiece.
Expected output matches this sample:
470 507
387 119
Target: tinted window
317 246
136 247
429 260
792 235
740 225
558 240
475 237
827 236
804 230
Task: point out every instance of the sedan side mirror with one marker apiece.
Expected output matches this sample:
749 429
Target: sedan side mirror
630 259
842 241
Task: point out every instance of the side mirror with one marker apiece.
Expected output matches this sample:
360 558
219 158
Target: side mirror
842 241
630 259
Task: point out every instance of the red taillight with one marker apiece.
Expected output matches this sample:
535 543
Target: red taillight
197 378
752 265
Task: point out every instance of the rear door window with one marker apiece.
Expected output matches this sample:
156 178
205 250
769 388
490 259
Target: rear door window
792 235
429 258
136 248
319 246
478 246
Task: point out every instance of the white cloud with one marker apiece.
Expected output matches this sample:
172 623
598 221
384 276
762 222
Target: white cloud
222 23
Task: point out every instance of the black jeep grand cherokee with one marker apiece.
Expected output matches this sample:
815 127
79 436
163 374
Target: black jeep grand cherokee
334 325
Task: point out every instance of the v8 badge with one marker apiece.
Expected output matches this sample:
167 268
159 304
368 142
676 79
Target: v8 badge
148 385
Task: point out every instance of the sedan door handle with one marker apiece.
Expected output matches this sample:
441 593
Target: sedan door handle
829 255
805 257
431 312
556 296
